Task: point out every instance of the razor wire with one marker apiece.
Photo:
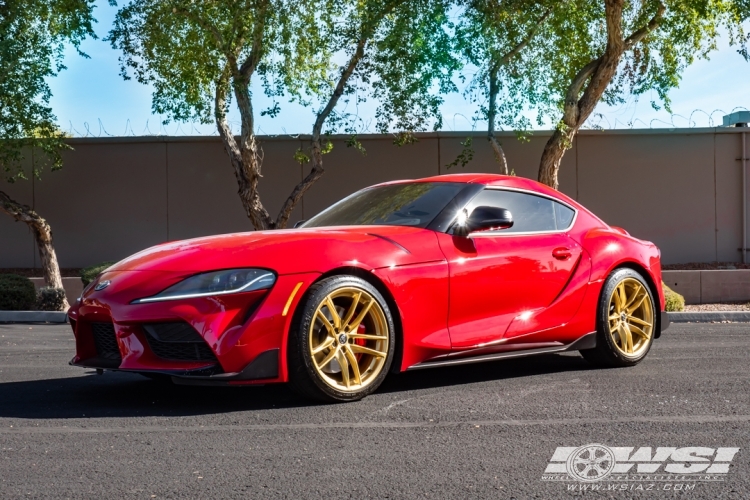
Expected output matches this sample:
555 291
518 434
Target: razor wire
698 118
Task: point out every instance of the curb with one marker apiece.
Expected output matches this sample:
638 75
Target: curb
33 317
709 317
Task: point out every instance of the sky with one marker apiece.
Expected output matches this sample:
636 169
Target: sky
90 98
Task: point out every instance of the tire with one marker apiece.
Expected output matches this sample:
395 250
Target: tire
623 340
362 337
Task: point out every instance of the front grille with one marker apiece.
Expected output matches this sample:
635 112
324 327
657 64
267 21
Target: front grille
105 341
177 342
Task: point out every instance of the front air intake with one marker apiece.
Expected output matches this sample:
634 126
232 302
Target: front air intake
106 342
177 342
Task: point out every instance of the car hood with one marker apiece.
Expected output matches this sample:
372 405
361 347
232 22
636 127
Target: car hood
291 251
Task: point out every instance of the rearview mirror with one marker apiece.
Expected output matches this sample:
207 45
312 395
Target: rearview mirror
485 219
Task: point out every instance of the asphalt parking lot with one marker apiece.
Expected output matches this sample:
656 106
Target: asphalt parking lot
477 431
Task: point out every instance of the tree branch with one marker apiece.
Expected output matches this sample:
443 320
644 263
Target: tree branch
640 34
525 41
256 51
203 24
495 89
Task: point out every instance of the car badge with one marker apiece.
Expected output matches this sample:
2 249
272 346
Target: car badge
102 285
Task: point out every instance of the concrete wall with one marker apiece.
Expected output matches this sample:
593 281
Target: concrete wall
680 188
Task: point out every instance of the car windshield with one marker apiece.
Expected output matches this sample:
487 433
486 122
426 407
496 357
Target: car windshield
413 204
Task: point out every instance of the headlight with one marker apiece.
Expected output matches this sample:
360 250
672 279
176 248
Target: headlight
216 283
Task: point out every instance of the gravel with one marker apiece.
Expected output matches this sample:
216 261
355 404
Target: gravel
737 306
705 266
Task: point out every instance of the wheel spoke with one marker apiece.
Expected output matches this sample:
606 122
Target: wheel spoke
633 297
354 364
354 324
365 336
327 359
638 331
636 304
334 312
627 338
341 358
322 317
623 295
614 317
366 350
352 309
639 321
326 344
614 328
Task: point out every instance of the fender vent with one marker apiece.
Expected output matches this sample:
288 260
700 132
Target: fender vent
177 342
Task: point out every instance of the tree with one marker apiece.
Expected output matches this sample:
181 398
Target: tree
397 52
33 34
200 55
504 41
624 47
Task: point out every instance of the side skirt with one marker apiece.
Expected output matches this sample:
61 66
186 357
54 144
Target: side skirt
588 341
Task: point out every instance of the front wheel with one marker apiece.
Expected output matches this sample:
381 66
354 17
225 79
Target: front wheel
341 342
625 321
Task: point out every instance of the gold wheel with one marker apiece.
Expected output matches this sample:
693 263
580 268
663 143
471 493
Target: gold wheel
348 339
631 317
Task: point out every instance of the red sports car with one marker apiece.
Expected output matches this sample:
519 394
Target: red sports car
400 276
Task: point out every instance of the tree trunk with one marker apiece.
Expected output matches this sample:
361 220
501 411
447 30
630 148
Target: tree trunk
552 157
495 89
588 86
317 147
491 115
497 149
42 235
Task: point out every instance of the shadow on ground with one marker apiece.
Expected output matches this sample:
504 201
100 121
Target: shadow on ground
128 395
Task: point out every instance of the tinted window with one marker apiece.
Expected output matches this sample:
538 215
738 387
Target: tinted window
563 215
530 212
411 204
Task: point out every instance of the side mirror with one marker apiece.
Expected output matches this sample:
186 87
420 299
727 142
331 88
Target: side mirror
487 218
299 223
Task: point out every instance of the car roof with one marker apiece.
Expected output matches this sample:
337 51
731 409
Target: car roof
510 181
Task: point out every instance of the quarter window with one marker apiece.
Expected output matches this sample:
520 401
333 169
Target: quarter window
563 215
531 213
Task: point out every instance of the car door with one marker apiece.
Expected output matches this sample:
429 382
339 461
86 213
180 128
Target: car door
498 276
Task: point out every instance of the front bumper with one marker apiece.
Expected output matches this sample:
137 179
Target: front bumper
241 337
264 367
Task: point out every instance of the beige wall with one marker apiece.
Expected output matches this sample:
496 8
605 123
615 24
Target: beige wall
679 188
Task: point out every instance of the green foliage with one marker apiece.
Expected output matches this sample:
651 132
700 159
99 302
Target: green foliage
33 34
301 157
405 62
353 142
187 49
50 299
687 30
89 274
465 156
674 302
502 46
16 293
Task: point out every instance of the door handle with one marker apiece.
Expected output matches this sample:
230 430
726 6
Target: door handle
561 253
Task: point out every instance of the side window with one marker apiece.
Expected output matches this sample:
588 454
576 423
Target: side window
530 213
563 215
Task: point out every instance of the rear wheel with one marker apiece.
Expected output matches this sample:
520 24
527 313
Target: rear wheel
341 342
625 321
